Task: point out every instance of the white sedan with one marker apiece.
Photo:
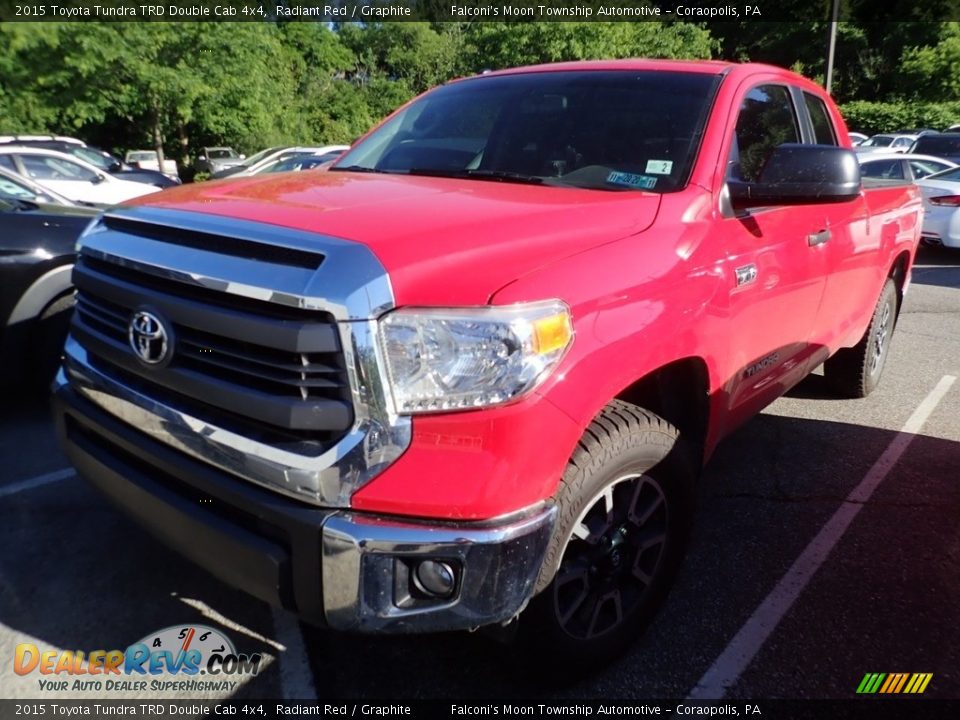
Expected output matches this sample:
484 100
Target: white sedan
941 204
901 166
71 177
889 142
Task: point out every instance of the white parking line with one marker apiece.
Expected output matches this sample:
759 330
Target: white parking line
296 677
35 482
745 645
208 612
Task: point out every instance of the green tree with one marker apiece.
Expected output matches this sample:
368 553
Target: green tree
933 72
501 45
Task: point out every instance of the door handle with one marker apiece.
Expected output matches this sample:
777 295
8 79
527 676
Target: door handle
818 238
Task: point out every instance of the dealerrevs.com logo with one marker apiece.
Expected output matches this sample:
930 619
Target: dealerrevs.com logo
168 660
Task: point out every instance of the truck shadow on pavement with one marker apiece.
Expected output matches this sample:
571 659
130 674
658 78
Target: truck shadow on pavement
937 266
76 574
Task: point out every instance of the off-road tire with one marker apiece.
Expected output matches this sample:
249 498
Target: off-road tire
636 456
855 372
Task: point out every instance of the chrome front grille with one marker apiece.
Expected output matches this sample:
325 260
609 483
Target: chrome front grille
283 372
274 372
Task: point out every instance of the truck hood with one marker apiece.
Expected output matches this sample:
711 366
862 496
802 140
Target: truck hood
443 241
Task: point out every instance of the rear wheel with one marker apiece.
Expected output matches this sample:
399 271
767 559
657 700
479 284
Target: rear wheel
626 502
855 372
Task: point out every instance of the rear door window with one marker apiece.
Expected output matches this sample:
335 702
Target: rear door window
822 127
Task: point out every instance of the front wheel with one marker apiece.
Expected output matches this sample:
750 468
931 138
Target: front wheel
625 502
855 372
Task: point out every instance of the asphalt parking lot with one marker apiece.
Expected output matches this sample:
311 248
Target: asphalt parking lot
826 547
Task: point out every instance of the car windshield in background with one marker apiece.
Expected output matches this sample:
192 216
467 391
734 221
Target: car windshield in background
878 141
222 153
300 162
95 158
254 159
606 130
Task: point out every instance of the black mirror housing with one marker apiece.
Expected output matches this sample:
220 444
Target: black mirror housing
797 174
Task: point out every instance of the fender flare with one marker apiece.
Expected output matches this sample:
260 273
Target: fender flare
44 290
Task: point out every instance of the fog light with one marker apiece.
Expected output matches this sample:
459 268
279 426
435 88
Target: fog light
435 578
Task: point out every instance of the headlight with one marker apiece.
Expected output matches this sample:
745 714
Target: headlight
455 359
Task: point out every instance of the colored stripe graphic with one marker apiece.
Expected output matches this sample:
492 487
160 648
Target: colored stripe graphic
894 683
903 680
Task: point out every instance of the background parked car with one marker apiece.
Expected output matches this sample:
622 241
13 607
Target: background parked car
901 166
302 161
69 176
213 160
95 156
36 294
257 160
148 160
890 142
944 145
941 204
16 187
857 138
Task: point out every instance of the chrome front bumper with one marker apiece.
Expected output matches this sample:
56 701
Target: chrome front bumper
336 568
368 562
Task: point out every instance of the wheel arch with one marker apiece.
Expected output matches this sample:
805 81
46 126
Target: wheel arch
899 271
679 392
44 290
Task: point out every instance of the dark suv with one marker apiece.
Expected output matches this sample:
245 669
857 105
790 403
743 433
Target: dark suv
944 145
40 230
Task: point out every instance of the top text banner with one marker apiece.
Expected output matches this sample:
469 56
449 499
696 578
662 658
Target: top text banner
370 11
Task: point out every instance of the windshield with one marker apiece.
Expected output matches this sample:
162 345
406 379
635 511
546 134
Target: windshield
95 158
253 159
605 130
12 189
878 141
951 174
221 153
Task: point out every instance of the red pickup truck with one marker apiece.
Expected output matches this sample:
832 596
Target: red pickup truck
469 375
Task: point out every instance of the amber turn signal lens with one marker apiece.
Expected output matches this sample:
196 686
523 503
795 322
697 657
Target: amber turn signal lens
551 333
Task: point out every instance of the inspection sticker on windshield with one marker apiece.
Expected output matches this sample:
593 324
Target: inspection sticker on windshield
659 167
631 180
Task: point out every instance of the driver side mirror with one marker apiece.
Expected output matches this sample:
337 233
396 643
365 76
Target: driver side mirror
797 174
97 179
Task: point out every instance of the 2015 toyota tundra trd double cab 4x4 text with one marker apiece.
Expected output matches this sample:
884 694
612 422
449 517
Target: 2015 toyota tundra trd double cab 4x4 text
471 372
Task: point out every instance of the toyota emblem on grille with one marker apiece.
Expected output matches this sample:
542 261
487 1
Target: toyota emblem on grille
149 338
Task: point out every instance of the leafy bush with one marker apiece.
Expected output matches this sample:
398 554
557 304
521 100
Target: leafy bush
877 117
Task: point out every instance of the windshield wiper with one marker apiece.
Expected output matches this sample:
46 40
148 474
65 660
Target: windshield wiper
498 175
360 169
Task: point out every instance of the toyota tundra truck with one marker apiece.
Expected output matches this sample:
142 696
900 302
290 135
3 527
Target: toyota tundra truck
468 376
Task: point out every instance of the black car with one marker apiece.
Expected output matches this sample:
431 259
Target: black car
944 145
37 248
100 159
